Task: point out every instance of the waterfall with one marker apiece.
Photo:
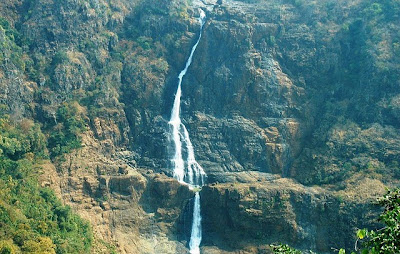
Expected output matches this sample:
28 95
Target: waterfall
187 170
195 237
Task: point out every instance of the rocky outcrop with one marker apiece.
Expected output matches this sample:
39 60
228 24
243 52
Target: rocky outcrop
264 210
133 209
228 143
244 111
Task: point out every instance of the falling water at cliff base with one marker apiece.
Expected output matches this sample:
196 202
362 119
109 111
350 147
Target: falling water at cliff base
185 167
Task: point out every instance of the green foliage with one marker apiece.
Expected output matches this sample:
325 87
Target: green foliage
59 58
298 3
11 51
12 33
179 10
272 40
8 247
284 249
362 233
14 46
110 247
64 136
343 251
18 142
374 10
145 42
32 219
385 240
43 245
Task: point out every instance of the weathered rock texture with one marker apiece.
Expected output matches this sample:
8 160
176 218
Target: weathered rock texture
136 210
264 210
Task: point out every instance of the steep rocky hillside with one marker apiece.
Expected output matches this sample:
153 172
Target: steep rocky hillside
293 109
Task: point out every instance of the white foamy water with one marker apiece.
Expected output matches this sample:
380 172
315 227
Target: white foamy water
187 170
195 237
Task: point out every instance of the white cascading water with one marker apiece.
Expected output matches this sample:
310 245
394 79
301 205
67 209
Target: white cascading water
187 171
195 237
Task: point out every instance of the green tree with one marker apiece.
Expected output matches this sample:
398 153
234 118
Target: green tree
64 136
32 219
387 239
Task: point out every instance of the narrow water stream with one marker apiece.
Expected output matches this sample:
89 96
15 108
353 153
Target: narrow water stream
186 169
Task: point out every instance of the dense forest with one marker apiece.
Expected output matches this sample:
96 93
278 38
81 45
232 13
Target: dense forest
32 218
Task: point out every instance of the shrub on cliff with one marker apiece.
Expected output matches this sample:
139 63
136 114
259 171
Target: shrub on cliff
284 249
65 134
387 239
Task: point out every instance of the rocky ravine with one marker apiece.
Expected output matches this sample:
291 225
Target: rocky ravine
276 89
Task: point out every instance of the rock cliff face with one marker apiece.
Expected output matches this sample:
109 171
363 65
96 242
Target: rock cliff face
295 89
132 210
264 210
276 81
